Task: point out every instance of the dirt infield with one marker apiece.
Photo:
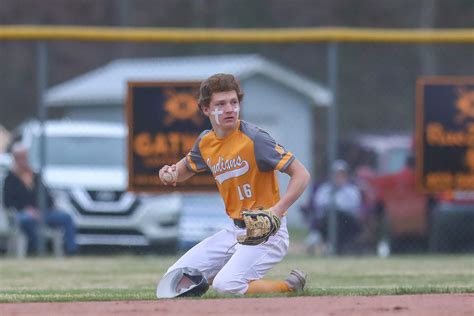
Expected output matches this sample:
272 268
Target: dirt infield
436 304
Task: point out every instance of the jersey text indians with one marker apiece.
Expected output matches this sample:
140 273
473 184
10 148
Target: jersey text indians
226 169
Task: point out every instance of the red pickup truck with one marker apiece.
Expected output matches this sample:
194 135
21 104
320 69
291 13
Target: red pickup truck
400 212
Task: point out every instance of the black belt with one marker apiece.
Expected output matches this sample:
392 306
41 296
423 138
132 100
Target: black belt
239 223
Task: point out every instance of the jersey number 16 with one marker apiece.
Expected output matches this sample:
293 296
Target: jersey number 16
245 191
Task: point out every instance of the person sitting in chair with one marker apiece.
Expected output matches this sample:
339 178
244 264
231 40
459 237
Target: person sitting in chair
20 192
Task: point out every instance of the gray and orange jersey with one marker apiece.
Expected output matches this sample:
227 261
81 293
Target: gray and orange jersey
243 164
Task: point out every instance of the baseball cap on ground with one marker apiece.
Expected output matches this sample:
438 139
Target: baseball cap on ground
182 282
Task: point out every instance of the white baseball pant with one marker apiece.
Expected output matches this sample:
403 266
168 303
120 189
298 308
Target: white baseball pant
231 266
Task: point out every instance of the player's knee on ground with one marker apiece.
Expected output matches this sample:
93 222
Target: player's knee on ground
229 284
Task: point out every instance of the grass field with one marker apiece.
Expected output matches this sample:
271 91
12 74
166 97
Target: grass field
134 278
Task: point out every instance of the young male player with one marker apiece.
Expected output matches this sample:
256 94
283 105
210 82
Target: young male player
243 159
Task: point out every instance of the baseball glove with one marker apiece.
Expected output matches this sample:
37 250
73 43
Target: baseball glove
260 225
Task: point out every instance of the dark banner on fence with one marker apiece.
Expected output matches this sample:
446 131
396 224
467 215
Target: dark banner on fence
164 121
445 133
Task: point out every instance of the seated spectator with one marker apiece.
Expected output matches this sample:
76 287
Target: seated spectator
344 197
21 192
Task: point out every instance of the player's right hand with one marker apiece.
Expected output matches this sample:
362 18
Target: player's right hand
168 175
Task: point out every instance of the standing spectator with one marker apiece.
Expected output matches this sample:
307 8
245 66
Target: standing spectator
21 192
344 197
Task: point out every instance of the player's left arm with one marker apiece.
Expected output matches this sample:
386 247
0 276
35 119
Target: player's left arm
299 180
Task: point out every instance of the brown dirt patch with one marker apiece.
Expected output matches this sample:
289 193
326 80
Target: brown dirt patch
433 305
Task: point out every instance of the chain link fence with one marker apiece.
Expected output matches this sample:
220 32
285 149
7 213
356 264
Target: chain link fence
289 85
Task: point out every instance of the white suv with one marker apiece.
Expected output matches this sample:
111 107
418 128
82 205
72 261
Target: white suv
85 170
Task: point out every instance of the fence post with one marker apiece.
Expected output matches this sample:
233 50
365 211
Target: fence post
333 136
41 84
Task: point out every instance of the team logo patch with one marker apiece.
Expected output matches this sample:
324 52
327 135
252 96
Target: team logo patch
279 149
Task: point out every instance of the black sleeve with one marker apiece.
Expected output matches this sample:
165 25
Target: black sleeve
6 193
11 194
49 198
50 201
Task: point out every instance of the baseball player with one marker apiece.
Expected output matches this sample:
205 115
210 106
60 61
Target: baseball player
243 159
